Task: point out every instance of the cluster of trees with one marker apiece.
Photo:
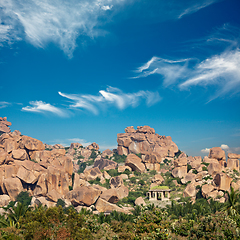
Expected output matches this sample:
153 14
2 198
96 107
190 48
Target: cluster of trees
204 219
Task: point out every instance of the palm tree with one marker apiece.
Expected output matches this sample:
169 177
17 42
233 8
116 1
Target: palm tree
232 202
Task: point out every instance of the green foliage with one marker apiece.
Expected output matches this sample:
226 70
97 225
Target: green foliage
113 172
96 181
33 160
80 157
204 169
118 158
132 180
206 164
127 171
24 198
178 153
139 155
195 171
141 182
153 172
61 202
70 188
82 167
189 167
93 154
160 188
137 173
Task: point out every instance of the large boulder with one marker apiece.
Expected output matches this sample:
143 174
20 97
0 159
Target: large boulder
4 200
190 190
93 146
110 195
222 181
140 202
152 157
105 164
20 154
206 189
92 173
83 196
4 125
233 155
190 177
13 187
233 164
31 144
179 162
122 192
214 168
217 153
116 182
179 172
135 163
107 153
104 206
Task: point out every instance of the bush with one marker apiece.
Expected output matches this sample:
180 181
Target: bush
24 198
189 167
132 180
119 158
204 168
137 173
93 154
113 172
195 171
60 202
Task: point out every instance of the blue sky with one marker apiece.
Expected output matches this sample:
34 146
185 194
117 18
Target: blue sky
82 71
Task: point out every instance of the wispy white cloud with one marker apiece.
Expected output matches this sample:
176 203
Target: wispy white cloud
67 142
196 7
171 70
42 107
4 104
58 21
224 147
111 97
220 69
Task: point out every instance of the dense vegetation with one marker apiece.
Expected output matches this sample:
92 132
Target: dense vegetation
204 219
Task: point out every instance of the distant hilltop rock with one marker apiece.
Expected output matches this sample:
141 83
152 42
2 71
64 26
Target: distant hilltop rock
4 125
144 140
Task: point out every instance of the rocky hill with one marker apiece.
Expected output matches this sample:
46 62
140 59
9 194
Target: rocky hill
114 179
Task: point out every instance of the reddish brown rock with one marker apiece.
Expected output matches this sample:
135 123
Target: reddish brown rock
179 162
116 182
20 154
152 158
217 153
190 190
190 177
135 163
233 155
222 181
53 195
214 168
93 146
139 201
41 186
105 163
206 189
110 195
233 164
130 130
3 157
13 187
122 192
31 144
123 168
179 172
76 145
92 173
107 153
158 179
104 206
4 125
122 150
153 166
27 176
83 196
145 129
4 200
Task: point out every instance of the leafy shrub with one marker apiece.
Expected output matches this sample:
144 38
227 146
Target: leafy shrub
82 167
24 198
178 153
118 158
141 182
113 172
80 157
153 172
137 173
60 202
189 167
127 171
195 171
206 164
204 168
93 154
132 180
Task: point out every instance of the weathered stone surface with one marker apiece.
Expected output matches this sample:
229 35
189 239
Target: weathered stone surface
13 187
31 144
190 177
134 162
124 176
152 157
206 189
222 181
20 154
122 192
195 162
3 156
4 200
134 147
122 150
42 201
179 172
27 176
233 155
92 173
106 175
83 196
116 182
139 201
41 186
105 164
190 190
233 163
104 206
130 129
217 153
123 168
214 168
145 129
157 179
53 195
153 166
78 182
179 162
210 160
106 153
235 186
76 145
93 146
4 125
110 195
200 175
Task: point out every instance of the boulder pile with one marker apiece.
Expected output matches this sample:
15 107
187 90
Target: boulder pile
4 125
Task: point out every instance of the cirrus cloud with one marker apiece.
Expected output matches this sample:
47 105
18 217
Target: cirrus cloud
42 107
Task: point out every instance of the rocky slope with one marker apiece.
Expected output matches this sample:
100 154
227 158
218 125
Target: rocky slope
85 177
